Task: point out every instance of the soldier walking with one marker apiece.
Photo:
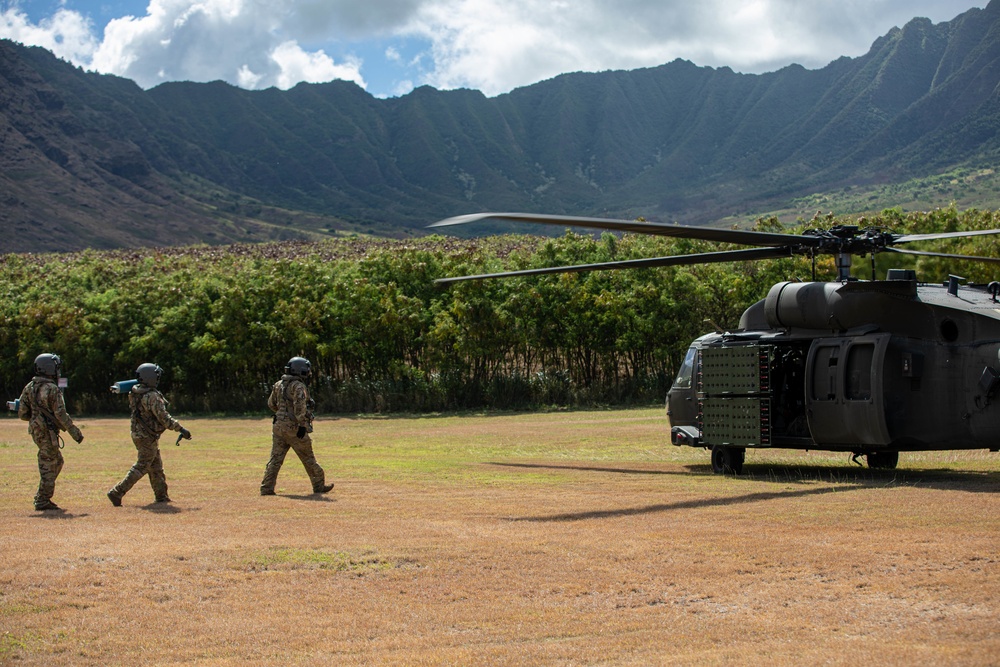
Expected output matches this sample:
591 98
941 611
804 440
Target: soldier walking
291 426
43 407
149 420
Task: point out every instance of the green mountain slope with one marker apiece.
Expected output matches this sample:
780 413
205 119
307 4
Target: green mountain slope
93 160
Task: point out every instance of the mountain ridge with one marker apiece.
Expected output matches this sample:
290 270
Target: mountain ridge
92 160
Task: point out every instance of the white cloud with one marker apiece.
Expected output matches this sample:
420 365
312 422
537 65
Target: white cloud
496 45
491 45
67 34
241 41
296 65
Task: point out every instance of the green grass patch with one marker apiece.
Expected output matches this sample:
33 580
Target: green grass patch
279 558
11 644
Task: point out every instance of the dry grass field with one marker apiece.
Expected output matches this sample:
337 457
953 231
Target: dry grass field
562 538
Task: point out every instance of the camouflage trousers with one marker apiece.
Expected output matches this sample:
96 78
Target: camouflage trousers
149 463
283 438
50 463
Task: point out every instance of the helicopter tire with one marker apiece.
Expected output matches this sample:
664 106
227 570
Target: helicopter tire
727 460
882 460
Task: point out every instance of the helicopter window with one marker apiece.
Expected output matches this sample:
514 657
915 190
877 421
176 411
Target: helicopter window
824 382
858 378
683 380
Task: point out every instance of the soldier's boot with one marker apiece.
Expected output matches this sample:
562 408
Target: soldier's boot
115 497
316 475
159 483
46 505
46 489
270 476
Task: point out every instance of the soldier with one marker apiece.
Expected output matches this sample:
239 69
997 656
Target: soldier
149 420
292 423
43 407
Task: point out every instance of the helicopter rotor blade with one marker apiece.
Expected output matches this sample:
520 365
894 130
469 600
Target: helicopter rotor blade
946 255
909 238
675 260
653 228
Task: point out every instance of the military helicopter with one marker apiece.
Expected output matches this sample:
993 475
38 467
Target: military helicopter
870 368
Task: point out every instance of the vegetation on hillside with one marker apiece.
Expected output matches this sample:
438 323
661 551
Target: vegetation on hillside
222 321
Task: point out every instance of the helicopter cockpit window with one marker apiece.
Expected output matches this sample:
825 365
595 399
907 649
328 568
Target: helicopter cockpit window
684 375
858 378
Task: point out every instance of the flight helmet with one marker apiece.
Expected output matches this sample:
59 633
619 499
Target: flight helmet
48 365
149 375
299 367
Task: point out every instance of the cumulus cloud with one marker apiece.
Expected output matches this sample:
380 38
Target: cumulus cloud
295 65
67 34
495 45
242 41
491 45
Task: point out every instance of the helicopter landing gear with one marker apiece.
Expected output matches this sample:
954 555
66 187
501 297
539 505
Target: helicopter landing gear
882 460
727 460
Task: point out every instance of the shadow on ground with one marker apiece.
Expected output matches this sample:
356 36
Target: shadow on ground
974 481
58 514
687 505
314 497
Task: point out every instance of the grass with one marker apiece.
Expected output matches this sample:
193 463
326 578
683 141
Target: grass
558 538
964 187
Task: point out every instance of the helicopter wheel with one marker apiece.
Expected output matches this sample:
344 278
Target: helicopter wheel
727 460
882 460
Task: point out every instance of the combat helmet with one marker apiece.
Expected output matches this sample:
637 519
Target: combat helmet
149 375
299 367
48 365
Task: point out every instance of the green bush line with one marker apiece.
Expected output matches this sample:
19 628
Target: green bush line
222 321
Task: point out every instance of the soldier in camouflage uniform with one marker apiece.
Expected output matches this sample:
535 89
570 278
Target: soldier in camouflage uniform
43 407
292 424
149 420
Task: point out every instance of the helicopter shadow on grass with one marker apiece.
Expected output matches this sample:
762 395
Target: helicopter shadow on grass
928 478
948 480
845 479
562 466
764 496
664 507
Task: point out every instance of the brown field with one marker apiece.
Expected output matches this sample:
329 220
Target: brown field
560 538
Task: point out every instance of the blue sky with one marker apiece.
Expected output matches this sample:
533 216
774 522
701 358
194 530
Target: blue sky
391 46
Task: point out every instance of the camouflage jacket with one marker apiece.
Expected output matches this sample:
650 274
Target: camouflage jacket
289 401
43 407
149 413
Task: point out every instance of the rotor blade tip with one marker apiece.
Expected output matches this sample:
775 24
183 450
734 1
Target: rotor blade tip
461 219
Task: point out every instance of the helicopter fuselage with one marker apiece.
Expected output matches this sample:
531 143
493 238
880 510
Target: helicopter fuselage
869 367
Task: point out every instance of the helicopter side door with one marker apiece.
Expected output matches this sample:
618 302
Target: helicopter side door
844 390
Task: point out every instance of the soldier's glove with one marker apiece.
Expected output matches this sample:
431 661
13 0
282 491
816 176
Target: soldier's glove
186 434
301 433
76 434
